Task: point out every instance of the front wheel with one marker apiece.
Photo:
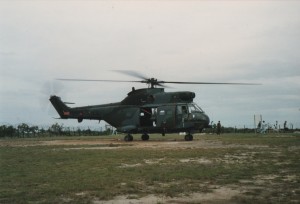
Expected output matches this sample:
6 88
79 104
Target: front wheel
188 137
145 137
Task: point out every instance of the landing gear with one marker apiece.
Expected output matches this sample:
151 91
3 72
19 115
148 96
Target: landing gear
188 137
145 137
128 138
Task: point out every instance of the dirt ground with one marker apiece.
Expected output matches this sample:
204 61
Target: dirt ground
218 194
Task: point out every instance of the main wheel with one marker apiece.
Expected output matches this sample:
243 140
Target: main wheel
145 137
128 138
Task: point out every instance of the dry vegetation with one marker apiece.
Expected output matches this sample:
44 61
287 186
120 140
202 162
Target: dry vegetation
233 168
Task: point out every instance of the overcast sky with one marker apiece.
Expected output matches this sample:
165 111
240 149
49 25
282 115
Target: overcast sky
215 41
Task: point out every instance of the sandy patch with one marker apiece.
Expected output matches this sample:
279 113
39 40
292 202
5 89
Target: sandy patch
130 165
92 148
219 195
196 160
153 161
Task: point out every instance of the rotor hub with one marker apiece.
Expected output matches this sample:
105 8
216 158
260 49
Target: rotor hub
152 82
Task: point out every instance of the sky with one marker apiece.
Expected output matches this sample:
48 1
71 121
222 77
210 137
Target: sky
205 41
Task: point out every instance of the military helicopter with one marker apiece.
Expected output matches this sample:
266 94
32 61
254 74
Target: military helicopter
146 110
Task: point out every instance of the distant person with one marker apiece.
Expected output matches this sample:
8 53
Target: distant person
259 128
218 128
285 126
264 127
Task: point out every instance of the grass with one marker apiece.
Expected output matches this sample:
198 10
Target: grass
55 174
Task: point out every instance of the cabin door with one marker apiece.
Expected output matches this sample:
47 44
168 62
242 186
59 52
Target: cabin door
148 116
166 117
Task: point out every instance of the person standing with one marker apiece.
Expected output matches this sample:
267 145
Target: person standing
219 128
285 128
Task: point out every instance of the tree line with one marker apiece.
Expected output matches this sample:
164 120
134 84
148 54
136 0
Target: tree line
24 130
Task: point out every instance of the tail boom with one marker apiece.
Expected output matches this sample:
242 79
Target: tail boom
62 109
79 113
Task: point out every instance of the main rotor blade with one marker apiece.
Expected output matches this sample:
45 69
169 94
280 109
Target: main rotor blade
154 82
97 80
159 83
211 83
100 80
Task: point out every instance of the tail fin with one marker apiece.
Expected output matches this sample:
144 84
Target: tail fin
62 109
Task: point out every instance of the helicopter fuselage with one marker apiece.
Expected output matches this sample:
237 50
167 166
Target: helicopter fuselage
143 111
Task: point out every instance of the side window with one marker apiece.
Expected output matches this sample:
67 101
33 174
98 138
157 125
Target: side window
162 112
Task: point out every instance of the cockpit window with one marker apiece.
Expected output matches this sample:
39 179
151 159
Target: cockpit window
189 108
194 108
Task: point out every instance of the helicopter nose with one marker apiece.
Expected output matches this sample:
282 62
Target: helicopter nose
202 121
203 118
206 120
